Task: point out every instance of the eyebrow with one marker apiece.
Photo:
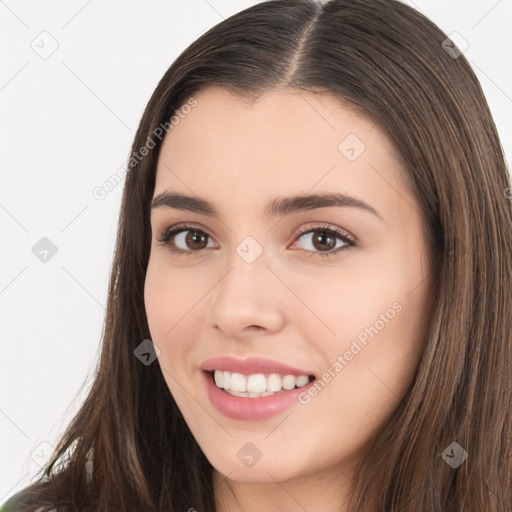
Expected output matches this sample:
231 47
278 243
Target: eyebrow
279 206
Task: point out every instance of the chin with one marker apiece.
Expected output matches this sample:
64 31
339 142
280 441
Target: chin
262 472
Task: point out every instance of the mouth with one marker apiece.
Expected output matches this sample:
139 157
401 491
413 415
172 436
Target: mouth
257 385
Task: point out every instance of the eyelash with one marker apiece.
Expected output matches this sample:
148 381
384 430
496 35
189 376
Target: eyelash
165 237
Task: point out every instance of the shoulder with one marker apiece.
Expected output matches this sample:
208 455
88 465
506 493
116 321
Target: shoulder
9 507
17 503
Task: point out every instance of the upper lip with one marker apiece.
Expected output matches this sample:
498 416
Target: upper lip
251 365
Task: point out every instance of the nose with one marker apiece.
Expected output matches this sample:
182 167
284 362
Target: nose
248 299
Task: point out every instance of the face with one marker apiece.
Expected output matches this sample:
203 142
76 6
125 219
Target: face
334 287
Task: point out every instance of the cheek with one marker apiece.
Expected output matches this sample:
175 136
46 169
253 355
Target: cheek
351 300
378 319
169 298
167 301
159 303
174 300
375 312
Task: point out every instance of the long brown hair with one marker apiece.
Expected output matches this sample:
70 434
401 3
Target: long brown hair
129 448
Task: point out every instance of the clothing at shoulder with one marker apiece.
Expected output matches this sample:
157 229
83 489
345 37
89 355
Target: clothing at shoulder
11 506
3 508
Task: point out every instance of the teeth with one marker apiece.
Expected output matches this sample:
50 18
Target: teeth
238 382
226 380
302 380
274 382
257 384
288 381
250 395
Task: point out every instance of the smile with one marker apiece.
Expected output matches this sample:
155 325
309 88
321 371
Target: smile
253 405
257 384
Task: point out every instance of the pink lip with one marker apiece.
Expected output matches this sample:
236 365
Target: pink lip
250 409
251 365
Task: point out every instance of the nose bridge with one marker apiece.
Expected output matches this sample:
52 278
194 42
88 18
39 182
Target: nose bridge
246 271
246 294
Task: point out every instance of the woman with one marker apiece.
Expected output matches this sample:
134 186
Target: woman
242 368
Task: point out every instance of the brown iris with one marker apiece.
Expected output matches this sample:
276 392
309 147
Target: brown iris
320 237
196 237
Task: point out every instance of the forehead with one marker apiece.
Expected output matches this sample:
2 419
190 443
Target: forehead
286 141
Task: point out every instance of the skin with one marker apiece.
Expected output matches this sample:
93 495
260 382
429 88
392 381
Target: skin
291 304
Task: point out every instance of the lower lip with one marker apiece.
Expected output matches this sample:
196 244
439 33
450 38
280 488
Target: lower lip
249 409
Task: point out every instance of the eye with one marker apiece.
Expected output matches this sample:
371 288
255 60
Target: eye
184 239
323 240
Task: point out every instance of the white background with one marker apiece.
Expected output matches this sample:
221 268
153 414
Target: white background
66 126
